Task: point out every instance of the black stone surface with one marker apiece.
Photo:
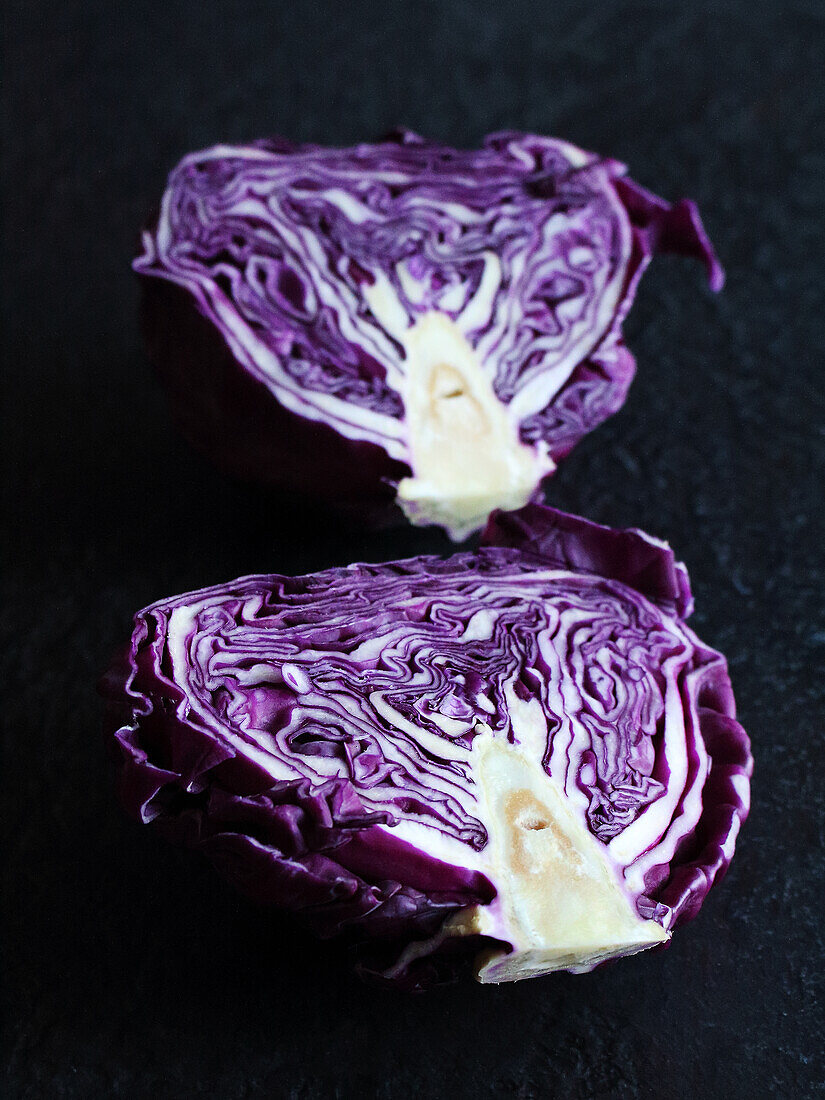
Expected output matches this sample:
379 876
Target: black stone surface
130 969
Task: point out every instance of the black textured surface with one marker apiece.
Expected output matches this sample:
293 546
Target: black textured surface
130 970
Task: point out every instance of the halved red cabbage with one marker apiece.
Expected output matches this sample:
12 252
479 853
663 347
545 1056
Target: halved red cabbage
401 321
519 757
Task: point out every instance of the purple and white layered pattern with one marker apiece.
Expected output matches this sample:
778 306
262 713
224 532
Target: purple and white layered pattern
521 755
443 325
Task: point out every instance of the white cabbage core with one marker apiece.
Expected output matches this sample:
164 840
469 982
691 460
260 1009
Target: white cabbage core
464 449
462 441
561 902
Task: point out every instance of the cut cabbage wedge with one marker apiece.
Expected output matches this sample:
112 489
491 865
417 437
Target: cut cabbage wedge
522 751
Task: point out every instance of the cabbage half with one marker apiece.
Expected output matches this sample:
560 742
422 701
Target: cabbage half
519 759
401 322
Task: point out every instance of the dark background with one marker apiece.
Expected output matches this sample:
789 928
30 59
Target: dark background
130 969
